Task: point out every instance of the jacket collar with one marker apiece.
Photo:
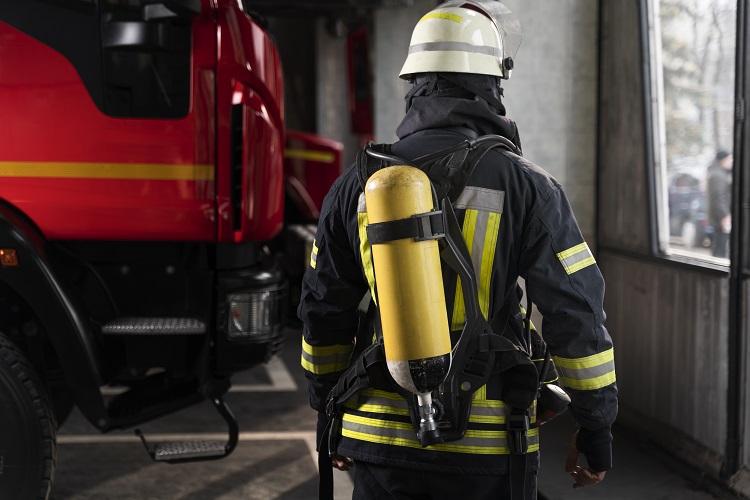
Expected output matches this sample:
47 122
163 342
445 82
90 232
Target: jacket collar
440 112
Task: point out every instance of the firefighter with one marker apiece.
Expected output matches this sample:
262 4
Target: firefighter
516 222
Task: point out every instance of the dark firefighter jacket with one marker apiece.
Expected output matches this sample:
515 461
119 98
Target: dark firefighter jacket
517 223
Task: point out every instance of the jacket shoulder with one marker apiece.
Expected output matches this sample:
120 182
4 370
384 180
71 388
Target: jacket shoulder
345 190
538 176
529 173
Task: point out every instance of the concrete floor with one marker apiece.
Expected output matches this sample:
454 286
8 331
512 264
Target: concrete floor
275 457
640 472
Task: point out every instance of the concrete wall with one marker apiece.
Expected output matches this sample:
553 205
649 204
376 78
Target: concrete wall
393 29
332 114
552 94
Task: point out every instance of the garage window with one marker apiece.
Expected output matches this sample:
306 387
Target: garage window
691 55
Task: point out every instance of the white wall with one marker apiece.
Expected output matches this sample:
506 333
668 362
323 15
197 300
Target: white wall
393 29
552 95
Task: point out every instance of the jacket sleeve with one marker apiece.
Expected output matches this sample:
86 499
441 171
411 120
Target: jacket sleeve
565 283
332 287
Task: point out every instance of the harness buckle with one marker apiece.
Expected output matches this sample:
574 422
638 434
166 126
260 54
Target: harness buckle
429 226
334 435
518 426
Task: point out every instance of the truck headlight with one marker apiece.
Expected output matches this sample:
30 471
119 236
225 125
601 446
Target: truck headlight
255 315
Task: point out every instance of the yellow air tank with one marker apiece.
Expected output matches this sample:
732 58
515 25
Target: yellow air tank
409 284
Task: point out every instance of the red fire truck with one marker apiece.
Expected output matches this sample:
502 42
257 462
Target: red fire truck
143 188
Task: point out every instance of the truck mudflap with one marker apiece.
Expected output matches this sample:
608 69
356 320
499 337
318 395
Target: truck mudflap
32 279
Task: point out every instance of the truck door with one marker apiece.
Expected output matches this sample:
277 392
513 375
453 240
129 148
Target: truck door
109 134
250 139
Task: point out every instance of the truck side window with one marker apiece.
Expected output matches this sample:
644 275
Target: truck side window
133 57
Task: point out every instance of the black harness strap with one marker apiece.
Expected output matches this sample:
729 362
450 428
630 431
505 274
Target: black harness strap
353 380
420 227
325 466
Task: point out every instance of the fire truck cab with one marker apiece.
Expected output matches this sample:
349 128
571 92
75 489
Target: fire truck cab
142 217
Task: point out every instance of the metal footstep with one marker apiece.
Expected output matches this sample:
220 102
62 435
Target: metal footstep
155 326
196 451
188 450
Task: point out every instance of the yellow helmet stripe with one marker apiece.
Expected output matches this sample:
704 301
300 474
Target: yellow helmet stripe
445 16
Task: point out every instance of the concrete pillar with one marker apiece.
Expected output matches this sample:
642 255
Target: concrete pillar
332 116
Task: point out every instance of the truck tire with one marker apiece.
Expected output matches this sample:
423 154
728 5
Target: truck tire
28 449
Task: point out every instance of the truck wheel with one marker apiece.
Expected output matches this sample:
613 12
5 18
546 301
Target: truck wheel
27 442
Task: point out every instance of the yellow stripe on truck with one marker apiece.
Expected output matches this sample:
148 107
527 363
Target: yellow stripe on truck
124 171
309 154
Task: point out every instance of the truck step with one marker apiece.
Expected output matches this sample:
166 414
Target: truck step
155 326
196 451
166 452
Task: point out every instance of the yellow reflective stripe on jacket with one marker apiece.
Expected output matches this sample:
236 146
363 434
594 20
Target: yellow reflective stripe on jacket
488 260
389 403
314 255
587 373
478 442
480 394
459 313
321 360
576 258
531 323
365 250
481 228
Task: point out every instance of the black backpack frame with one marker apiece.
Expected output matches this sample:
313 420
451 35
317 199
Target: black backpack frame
479 352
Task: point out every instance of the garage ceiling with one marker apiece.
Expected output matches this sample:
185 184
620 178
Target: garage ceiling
318 7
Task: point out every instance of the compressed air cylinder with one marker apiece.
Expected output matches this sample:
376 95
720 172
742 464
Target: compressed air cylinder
409 283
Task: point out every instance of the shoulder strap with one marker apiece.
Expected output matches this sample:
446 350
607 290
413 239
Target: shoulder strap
374 157
450 168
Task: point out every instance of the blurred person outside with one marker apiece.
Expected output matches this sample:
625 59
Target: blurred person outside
719 191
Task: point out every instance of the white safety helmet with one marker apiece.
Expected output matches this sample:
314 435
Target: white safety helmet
464 36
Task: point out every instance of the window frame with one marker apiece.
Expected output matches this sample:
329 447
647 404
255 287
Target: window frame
655 142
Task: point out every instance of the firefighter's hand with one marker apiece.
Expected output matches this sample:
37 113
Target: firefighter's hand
341 463
583 476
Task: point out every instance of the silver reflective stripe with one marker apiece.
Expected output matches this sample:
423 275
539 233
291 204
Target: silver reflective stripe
373 401
407 433
480 236
575 259
587 373
361 206
479 198
487 50
402 434
487 414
